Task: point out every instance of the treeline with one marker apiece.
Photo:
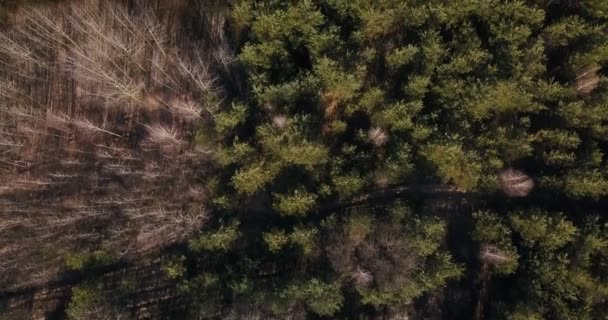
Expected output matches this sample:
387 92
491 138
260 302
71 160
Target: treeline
311 159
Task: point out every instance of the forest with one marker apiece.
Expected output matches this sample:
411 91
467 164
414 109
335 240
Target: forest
304 159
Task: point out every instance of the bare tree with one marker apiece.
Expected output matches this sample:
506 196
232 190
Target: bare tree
361 277
280 121
186 108
493 255
225 56
163 136
197 71
377 136
515 183
87 125
587 79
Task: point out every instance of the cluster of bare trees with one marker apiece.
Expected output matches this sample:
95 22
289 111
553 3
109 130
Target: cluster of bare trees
99 104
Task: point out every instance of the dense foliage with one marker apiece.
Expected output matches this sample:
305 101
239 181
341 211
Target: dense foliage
422 159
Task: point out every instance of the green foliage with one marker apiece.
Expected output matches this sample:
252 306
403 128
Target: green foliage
398 165
297 25
400 57
441 269
392 258
499 99
418 86
454 164
225 122
251 179
398 116
221 240
296 204
305 238
239 152
489 227
562 282
566 30
522 314
83 299
585 184
174 267
88 301
559 147
241 15
87 261
538 228
348 185
494 237
323 298
276 240
341 108
426 235
339 85
304 154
